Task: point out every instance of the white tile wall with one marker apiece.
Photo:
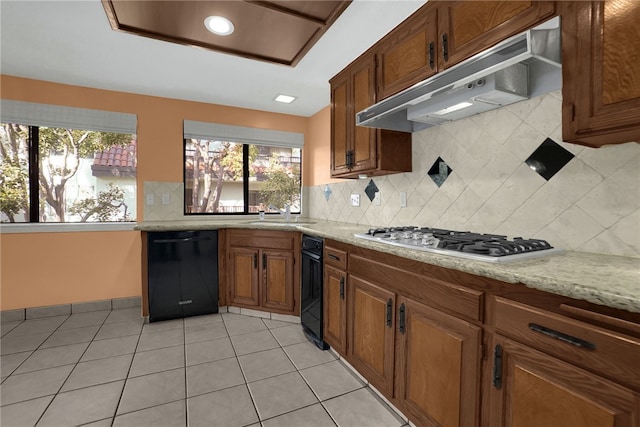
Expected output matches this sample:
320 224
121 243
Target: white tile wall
591 205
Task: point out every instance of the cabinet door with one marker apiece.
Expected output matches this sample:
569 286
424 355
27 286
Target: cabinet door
335 308
468 27
601 72
532 389
277 280
364 150
243 280
340 124
409 53
370 314
437 366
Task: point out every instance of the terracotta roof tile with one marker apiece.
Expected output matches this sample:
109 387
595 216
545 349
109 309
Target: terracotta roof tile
117 156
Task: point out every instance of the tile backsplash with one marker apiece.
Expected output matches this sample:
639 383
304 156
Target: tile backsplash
592 204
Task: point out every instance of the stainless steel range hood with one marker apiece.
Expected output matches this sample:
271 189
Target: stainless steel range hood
521 67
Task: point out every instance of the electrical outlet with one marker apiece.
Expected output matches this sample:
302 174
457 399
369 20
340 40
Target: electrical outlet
376 198
165 199
355 200
403 199
150 199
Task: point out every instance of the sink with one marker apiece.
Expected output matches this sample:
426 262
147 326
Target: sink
280 223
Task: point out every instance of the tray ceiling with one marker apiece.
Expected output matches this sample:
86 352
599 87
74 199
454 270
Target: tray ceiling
280 32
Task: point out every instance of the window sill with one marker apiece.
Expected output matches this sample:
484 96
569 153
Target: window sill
14 228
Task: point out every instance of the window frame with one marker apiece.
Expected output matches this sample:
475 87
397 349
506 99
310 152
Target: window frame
242 135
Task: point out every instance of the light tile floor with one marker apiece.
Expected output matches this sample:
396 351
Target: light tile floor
108 368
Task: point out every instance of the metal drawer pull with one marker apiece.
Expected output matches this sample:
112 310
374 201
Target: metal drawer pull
562 337
333 257
497 367
188 301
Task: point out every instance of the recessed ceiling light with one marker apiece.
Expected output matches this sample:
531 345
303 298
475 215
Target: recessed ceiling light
287 99
219 25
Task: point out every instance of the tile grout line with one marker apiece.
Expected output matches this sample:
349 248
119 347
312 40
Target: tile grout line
72 369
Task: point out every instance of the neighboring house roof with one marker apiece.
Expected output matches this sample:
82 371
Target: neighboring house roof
116 161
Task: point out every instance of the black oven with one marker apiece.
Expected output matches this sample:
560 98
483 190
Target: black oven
311 292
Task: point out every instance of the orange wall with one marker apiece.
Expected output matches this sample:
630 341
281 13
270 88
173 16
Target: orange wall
60 268
159 137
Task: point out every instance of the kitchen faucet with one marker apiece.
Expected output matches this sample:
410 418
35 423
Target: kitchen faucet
286 213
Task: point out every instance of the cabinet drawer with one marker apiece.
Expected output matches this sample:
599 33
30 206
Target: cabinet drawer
335 258
608 353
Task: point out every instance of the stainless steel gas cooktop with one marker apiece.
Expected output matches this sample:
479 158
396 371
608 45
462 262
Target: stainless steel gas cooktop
462 244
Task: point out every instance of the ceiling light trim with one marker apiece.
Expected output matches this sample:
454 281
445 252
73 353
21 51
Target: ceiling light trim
219 25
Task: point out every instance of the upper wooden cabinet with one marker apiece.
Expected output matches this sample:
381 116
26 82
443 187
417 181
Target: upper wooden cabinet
444 33
360 150
260 270
601 72
409 53
469 27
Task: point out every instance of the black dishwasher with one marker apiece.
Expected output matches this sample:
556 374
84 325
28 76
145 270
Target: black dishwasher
311 292
182 273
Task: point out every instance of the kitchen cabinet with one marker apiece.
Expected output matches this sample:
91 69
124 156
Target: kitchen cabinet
260 273
449 348
181 274
408 54
437 366
553 369
427 361
532 389
601 72
334 299
466 28
443 33
360 150
370 321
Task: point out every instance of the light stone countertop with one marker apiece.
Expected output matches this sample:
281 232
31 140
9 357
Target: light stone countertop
608 280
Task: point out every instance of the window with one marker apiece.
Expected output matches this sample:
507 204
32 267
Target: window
65 174
233 174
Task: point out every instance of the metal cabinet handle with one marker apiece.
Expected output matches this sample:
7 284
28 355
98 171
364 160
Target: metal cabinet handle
431 56
255 260
389 313
578 342
497 367
334 257
445 47
264 261
342 288
401 324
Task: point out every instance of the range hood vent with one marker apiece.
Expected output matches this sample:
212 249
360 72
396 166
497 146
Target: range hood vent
524 66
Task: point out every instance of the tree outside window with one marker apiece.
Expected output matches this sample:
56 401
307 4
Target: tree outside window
82 176
229 177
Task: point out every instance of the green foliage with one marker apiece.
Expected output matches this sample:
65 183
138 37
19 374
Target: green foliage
13 188
70 145
14 170
109 205
282 186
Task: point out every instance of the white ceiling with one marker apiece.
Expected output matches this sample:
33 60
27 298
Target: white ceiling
72 42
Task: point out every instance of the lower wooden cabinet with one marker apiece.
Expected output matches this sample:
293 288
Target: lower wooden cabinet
437 366
532 389
334 308
261 270
370 334
450 349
